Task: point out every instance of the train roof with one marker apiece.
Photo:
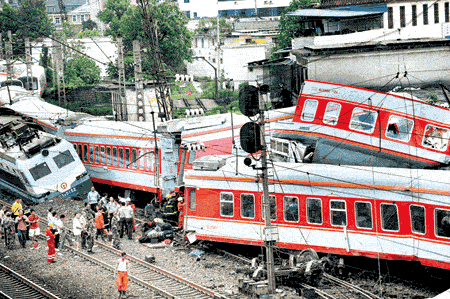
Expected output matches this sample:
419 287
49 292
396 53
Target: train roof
14 94
359 177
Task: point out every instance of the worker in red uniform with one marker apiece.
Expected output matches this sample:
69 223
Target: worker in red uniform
51 243
99 224
180 212
121 271
134 220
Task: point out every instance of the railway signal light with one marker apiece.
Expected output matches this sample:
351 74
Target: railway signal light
251 137
249 101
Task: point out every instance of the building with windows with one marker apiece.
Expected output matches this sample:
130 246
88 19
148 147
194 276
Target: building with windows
350 41
235 8
249 41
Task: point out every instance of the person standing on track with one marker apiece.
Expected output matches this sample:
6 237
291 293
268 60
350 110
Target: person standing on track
34 229
121 273
77 228
92 199
51 243
21 220
16 207
115 228
90 229
100 224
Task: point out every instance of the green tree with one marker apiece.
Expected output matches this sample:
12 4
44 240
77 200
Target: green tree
33 20
89 25
174 38
209 25
290 26
80 71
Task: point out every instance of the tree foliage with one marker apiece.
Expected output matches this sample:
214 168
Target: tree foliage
174 39
80 71
209 25
29 20
290 26
89 25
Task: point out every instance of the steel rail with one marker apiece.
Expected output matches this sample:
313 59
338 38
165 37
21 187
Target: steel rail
154 268
361 291
18 278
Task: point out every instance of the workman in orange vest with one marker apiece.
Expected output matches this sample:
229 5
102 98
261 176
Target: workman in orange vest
121 270
180 212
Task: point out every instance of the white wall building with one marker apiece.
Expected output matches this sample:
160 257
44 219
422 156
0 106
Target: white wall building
235 8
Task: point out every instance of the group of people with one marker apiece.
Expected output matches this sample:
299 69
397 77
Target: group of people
15 222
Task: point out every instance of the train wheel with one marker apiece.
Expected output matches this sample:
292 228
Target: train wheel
302 256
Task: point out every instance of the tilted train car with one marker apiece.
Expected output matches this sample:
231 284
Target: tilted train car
36 85
355 126
37 166
391 213
122 154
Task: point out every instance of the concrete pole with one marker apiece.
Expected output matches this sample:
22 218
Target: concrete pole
268 240
218 53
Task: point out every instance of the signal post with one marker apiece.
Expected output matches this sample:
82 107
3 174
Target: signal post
252 141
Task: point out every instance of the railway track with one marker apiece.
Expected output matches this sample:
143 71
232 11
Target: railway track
162 283
14 285
335 289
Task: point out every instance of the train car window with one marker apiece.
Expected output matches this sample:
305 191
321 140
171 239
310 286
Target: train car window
141 159
102 155
120 157
435 138
363 120
226 204
309 110
114 156
127 161
273 207
108 155
63 159
363 215
80 151
133 158
192 200
192 156
332 113
75 146
91 153
417 214
442 222
399 128
290 208
389 217
247 206
151 161
338 212
314 210
97 155
85 153
39 171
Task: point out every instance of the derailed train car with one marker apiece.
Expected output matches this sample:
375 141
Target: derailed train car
37 166
391 213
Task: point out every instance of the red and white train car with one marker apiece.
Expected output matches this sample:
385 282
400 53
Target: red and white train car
392 213
351 125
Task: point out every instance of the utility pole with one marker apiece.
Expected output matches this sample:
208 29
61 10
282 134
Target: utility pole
122 104
58 58
139 85
8 50
218 53
269 232
29 63
1 47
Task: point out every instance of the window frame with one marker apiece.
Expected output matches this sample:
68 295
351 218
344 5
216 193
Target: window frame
390 17
302 115
446 12
431 147
307 210
193 199
436 13
96 155
241 202
398 117
359 122
102 155
402 16
425 14
284 209
336 209
328 122
424 220
232 203
108 155
382 218
414 14
371 214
